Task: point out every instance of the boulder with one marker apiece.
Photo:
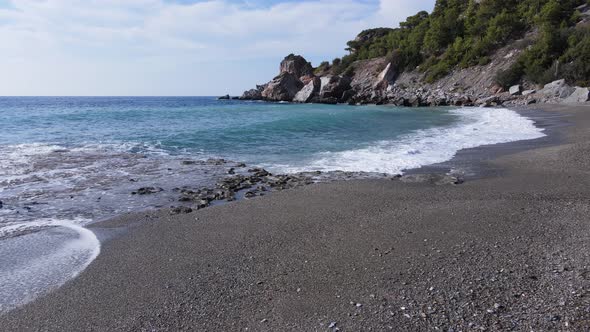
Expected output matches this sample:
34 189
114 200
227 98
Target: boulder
528 92
282 88
515 90
254 94
226 97
334 87
558 89
461 100
489 101
296 65
580 95
309 91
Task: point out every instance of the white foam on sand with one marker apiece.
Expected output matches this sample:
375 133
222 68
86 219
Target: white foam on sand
476 127
38 256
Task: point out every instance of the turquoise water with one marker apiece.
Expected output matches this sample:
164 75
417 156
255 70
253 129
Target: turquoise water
270 134
69 162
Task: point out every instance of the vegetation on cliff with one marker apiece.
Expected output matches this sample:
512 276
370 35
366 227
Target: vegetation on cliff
460 34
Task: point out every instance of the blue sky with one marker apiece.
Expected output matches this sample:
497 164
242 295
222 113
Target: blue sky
173 47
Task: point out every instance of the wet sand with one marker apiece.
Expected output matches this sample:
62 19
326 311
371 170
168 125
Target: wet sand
507 251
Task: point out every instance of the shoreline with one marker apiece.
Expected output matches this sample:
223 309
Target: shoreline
300 255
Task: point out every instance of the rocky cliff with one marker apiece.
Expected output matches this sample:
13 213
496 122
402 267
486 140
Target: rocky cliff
376 81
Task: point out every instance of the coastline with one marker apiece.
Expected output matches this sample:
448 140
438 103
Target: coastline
499 246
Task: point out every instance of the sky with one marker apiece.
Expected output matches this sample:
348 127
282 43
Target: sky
173 47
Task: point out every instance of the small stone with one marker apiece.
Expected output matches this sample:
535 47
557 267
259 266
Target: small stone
332 325
358 305
147 191
264 320
180 210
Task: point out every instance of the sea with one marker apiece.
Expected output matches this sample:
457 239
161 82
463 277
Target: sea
68 162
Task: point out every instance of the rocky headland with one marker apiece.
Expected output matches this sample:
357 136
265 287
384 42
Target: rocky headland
376 81
490 54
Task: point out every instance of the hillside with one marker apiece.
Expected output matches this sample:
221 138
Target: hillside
465 52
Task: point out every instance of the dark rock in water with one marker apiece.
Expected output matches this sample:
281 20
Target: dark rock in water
1 204
282 88
254 94
241 165
213 161
259 172
188 162
231 171
180 210
147 191
250 194
226 97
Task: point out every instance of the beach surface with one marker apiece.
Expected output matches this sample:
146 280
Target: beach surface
508 251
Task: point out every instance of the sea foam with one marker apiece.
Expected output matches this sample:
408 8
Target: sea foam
476 127
58 250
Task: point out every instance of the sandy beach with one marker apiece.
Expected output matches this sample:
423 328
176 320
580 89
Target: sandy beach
505 251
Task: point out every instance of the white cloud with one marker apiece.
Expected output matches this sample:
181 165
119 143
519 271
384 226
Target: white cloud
43 38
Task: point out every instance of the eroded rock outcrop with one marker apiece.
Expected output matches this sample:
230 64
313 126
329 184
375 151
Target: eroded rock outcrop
334 87
282 88
296 82
296 65
254 94
309 91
